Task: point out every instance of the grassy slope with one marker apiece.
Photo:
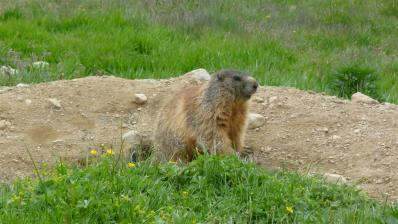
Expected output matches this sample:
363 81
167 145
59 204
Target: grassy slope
209 190
292 43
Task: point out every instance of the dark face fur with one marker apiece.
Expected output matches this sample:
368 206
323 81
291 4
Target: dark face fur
241 84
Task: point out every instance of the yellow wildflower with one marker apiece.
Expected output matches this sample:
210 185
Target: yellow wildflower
172 162
109 152
131 165
268 17
289 210
185 193
93 152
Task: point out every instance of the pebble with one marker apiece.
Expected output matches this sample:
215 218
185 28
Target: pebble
255 120
324 129
379 181
58 141
362 98
55 102
134 138
140 98
334 178
199 74
22 85
130 136
7 71
335 137
4 124
258 99
266 149
272 99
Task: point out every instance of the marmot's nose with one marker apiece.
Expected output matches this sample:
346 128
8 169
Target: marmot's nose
255 85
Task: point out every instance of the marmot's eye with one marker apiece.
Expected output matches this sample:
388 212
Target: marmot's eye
237 78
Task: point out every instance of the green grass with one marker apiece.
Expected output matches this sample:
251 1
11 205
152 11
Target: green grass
290 43
212 189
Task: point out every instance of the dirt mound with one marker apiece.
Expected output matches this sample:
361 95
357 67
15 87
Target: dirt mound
303 130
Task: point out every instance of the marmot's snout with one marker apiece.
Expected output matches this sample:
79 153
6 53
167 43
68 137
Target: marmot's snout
250 87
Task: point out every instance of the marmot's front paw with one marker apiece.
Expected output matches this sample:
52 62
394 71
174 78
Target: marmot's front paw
246 152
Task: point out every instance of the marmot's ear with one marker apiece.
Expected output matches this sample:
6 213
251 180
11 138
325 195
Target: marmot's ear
220 76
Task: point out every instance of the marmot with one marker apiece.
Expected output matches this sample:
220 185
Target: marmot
211 116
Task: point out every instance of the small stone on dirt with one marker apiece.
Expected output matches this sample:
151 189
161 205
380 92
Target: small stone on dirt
259 99
199 74
334 178
266 149
28 101
379 181
362 98
4 124
137 142
324 129
130 136
40 64
55 102
256 120
58 141
22 85
7 71
140 98
272 99
335 137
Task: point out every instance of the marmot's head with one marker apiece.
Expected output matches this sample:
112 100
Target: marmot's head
238 83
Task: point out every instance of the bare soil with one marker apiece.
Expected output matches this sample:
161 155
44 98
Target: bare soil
304 131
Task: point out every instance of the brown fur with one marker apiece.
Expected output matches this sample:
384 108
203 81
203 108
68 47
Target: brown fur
210 117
